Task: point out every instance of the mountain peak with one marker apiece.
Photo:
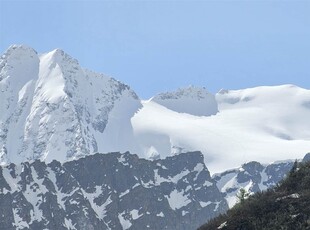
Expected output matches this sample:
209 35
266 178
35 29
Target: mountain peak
192 100
19 62
51 108
17 53
59 56
189 92
58 53
19 48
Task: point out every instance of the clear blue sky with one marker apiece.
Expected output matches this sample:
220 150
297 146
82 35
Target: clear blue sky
155 46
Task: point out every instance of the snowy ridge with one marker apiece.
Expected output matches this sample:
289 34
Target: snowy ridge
109 191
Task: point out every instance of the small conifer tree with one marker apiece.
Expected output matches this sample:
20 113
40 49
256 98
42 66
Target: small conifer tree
294 168
242 195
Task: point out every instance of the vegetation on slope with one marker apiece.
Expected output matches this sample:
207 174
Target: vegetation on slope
286 206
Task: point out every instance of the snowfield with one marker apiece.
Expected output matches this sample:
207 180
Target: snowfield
264 124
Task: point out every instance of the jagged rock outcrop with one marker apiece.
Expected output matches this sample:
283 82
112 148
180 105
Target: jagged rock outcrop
252 176
109 191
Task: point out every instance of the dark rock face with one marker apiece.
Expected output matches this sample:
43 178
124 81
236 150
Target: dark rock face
122 191
109 191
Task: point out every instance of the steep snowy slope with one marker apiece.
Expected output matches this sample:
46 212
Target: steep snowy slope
263 124
19 69
51 108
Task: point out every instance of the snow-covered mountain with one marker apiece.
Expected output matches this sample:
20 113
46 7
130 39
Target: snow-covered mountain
51 108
